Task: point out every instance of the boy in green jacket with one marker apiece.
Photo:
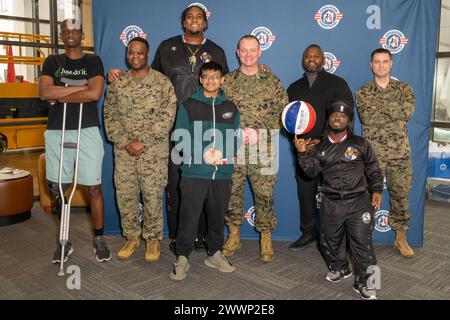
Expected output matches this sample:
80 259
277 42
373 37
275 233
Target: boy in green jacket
207 132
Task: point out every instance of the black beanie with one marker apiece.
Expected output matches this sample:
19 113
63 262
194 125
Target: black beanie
340 106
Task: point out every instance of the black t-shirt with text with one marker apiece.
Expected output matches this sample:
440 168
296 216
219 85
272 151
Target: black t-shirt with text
60 66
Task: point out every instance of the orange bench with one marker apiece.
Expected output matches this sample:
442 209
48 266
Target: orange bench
16 200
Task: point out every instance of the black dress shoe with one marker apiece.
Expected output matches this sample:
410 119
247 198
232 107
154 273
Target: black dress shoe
305 239
200 244
172 245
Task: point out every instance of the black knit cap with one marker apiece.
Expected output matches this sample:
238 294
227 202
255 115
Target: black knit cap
340 106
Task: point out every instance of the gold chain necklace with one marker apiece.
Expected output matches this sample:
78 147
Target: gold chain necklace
192 58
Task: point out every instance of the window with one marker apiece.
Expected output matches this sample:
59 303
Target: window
38 26
16 8
440 121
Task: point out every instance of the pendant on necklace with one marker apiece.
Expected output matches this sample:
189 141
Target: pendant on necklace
192 59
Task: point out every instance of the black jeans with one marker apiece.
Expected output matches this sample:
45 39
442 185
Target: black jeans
214 195
173 202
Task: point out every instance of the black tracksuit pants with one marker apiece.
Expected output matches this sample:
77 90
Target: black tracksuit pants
306 191
173 201
348 220
214 195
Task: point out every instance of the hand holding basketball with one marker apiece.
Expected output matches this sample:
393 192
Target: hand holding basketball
213 156
300 144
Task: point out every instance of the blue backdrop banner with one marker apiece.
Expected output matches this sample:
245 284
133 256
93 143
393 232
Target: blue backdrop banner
348 31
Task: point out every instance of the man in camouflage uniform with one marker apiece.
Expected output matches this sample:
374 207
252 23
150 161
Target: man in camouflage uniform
385 105
260 97
139 111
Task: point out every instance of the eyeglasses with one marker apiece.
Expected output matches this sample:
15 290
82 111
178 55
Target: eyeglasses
214 77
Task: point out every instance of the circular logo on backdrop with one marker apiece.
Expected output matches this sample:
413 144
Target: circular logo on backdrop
331 62
382 221
328 17
264 36
201 5
131 32
250 216
394 41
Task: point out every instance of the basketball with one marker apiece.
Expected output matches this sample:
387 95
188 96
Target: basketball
298 117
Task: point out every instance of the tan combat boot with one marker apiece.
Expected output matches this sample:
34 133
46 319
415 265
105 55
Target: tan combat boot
266 247
402 245
153 251
234 242
129 248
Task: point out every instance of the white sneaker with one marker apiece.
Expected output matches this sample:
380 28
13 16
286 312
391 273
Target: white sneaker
180 268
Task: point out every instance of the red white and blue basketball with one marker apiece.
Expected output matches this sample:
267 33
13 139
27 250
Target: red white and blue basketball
298 117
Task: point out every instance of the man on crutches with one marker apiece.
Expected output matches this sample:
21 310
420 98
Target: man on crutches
61 83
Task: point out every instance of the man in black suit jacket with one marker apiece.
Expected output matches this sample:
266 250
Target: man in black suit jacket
318 88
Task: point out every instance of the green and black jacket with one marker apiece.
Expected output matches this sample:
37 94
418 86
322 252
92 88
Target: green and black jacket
203 123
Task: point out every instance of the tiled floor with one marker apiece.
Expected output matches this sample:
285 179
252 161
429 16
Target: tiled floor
26 271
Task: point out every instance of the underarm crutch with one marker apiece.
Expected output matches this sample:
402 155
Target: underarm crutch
65 207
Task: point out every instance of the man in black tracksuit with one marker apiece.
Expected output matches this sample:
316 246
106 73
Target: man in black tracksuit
318 88
348 166
207 132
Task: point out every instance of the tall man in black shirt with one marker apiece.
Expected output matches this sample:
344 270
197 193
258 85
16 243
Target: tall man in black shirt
318 88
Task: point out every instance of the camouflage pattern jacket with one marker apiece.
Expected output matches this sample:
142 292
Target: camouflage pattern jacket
260 98
384 114
143 110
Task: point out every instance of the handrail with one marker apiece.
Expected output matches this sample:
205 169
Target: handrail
25 39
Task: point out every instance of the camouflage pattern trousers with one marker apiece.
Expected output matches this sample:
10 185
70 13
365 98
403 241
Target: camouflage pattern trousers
146 175
263 191
399 180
